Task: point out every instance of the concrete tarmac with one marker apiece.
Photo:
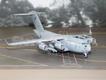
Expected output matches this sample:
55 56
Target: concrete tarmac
32 58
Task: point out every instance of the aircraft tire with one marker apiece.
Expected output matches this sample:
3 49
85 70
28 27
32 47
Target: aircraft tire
85 55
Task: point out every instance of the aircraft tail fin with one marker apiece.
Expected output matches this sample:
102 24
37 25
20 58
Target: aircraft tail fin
37 23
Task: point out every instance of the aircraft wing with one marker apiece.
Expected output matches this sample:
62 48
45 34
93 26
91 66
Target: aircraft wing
33 41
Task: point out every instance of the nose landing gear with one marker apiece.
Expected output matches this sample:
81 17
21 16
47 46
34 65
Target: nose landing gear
86 55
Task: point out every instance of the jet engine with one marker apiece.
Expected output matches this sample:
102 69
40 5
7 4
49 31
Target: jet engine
45 47
59 45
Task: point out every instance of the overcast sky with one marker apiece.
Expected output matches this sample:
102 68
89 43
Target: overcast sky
48 3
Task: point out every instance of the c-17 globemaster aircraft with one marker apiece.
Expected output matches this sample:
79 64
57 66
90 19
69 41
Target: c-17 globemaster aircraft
50 41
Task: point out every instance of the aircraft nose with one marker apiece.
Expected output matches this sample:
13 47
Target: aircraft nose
87 48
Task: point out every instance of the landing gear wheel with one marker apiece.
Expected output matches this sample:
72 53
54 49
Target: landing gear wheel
85 55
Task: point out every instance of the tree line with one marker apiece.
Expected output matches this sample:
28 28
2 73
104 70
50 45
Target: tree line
78 13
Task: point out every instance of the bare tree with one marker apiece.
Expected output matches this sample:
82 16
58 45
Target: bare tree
76 4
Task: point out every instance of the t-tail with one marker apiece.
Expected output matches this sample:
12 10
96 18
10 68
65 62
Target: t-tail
37 23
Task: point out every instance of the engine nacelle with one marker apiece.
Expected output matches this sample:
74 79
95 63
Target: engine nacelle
60 46
42 46
45 47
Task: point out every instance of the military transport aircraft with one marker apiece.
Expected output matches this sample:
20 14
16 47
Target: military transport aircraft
50 41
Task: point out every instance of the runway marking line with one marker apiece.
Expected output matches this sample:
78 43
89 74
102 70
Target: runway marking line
28 61
19 66
9 47
70 64
75 59
91 60
63 58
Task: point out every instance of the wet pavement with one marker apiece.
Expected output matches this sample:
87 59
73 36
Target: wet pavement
30 57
